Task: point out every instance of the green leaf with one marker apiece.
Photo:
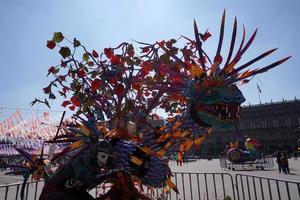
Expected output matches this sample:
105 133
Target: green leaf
130 47
85 57
90 63
76 43
52 96
58 37
65 52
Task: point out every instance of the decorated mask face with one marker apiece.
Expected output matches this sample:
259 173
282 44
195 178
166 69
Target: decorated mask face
102 159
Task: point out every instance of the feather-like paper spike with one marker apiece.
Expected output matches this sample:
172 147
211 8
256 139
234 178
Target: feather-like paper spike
199 46
172 185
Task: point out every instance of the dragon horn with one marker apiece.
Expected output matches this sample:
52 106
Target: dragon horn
199 46
252 61
221 35
247 45
236 57
233 37
264 69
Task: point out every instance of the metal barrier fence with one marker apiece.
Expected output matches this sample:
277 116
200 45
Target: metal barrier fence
255 187
194 186
33 189
202 186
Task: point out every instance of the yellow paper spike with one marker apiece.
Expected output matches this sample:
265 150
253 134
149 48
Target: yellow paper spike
147 150
209 131
166 189
176 125
76 145
196 70
199 140
163 137
230 67
136 160
171 185
188 144
161 153
236 144
162 128
85 131
168 144
185 133
179 156
112 133
177 134
170 119
136 179
102 130
213 68
181 148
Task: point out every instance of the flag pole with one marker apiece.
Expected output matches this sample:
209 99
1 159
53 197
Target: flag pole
258 91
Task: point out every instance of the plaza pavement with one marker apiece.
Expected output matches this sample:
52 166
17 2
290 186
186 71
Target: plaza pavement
196 166
204 166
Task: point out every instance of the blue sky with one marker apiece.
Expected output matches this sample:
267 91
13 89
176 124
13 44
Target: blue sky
27 25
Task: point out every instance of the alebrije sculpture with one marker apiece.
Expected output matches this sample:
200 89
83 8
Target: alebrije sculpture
115 95
237 155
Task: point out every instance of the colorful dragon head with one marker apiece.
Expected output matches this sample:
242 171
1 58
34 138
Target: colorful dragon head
215 102
211 90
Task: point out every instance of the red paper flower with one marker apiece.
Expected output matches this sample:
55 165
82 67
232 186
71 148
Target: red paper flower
108 52
145 49
75 101
51 69
205 36
51 44
218 58
65 103
119 89
95 54
72 107
47 90
113 80
136 86
115 60
161 43
96 84
81 73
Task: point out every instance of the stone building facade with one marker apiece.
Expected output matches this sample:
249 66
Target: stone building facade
276 125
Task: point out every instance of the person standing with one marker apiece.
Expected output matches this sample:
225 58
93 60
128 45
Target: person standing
285 164
278 160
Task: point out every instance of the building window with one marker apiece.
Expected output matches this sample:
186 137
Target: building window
275 122
287 122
